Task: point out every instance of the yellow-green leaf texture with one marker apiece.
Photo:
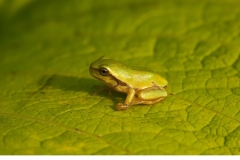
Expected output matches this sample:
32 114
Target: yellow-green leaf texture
46 101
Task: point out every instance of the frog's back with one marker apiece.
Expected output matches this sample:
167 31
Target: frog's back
148 78
139 77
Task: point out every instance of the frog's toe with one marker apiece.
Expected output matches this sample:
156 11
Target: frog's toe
121 106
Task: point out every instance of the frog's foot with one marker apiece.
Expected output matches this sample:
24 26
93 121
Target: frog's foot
121 106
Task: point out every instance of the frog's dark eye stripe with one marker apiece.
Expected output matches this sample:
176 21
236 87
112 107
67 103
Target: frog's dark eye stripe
103 71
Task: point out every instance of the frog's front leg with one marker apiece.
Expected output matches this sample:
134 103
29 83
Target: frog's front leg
130 95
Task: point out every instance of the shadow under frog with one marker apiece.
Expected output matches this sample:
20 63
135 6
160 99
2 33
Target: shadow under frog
76 84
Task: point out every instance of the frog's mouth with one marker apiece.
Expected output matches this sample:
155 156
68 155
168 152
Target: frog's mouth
95 74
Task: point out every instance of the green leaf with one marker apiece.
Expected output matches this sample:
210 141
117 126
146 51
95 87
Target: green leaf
46 101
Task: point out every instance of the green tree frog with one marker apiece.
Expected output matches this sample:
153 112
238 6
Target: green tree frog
142 86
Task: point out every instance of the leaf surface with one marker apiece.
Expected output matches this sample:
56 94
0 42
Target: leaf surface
46 101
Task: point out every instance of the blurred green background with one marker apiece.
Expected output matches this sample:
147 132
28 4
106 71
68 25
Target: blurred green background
46 106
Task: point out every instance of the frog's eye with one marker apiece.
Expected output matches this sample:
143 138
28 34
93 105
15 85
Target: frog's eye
103 71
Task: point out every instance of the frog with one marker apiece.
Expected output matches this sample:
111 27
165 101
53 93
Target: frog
142 85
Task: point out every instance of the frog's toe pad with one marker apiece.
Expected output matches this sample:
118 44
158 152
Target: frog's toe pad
121 106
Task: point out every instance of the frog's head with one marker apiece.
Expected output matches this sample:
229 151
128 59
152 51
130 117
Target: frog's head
102 70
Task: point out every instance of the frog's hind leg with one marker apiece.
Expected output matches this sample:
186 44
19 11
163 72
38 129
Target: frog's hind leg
149 96
136 101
